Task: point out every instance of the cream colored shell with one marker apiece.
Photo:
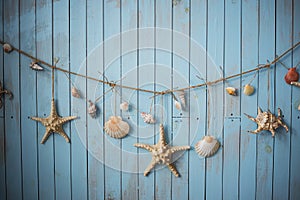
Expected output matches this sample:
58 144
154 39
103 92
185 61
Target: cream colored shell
116 127
92 109
148 118
177 105
124 106
75 92
207 146
231 91
248 89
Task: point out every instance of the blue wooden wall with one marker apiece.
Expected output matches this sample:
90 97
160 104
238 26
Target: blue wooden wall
237 35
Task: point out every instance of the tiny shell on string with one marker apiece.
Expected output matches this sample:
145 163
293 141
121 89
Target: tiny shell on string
181 95
248 89
35 66
148 118
7 48
291 76
177 105
115 127
75 92
231 91
92 109
124 106
207 146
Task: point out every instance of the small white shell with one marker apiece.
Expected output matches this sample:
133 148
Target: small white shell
7 48
116 127
75 92
231 91
182 98
177 105
296 83
248 89
148 118
207 146
124 106
36 66
92 109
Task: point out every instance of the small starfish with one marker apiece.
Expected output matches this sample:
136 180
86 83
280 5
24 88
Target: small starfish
161 153
54 123
3 92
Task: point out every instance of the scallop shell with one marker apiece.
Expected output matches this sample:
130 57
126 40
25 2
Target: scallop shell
116 127
92 109
177 105
182 98
296 83
207 146
148 118
124 106
248 89
75 92
7 48
36 66
231 91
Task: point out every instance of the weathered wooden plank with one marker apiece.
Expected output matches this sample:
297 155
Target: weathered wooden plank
249 60
264 165
215 49
44 52
282 96
28 102
79 179
12 108
294 183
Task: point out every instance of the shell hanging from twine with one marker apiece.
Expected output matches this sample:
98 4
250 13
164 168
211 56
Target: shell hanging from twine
295 83
182 98
75 92
291 76
148 118
116 127
207 146
35 66
248 89
177 105
298 107
92 109
7 48
231 91
124 106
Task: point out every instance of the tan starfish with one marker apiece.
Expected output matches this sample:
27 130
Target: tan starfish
54 123
161 153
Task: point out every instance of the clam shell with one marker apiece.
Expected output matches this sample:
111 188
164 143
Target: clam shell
148 118
124 106
92 109
248 89
7 48
116 127
231 91
207 146
177 105
75 92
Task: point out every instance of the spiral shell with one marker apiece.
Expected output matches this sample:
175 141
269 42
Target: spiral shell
7 48
291 76
207 146
248 89
124 106
148 118
92 109
231 91
116 127
75 92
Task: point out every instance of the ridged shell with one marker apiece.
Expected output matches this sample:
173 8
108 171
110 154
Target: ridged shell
92 109
124 106
7 48
231 91
207 146
116 127
75 92
36 66
248 89
177 105
182 98
148 118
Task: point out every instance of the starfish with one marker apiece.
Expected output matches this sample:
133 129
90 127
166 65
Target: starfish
161 153
54 123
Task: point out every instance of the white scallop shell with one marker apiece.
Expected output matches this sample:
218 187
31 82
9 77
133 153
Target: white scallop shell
36 66
207 146
124 106
177 105
231 91
7 48
92 109
75 92
148 118
182 98
116 127
248 89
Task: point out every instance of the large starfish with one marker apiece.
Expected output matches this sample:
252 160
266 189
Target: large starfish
54 123
161 153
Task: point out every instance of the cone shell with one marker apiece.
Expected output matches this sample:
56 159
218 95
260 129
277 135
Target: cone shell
231 91
7 48
248 89
148 118
75 92
124 106
177 105
92 109
116 127
207 146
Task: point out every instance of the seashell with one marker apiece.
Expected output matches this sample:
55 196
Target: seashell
124 106
148 118
36 66
92 109
75 92
177 105
116 127
7 48
299 106
295 83
291 76
248 89
231 91
182 98
207 146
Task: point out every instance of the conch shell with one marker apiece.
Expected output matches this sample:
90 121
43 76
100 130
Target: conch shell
148 118
116 127
207 146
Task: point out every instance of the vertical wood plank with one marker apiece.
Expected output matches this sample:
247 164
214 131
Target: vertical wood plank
265 90
44 52
282 97
295 121
28 101
79 179
12 108
232 103
249 60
